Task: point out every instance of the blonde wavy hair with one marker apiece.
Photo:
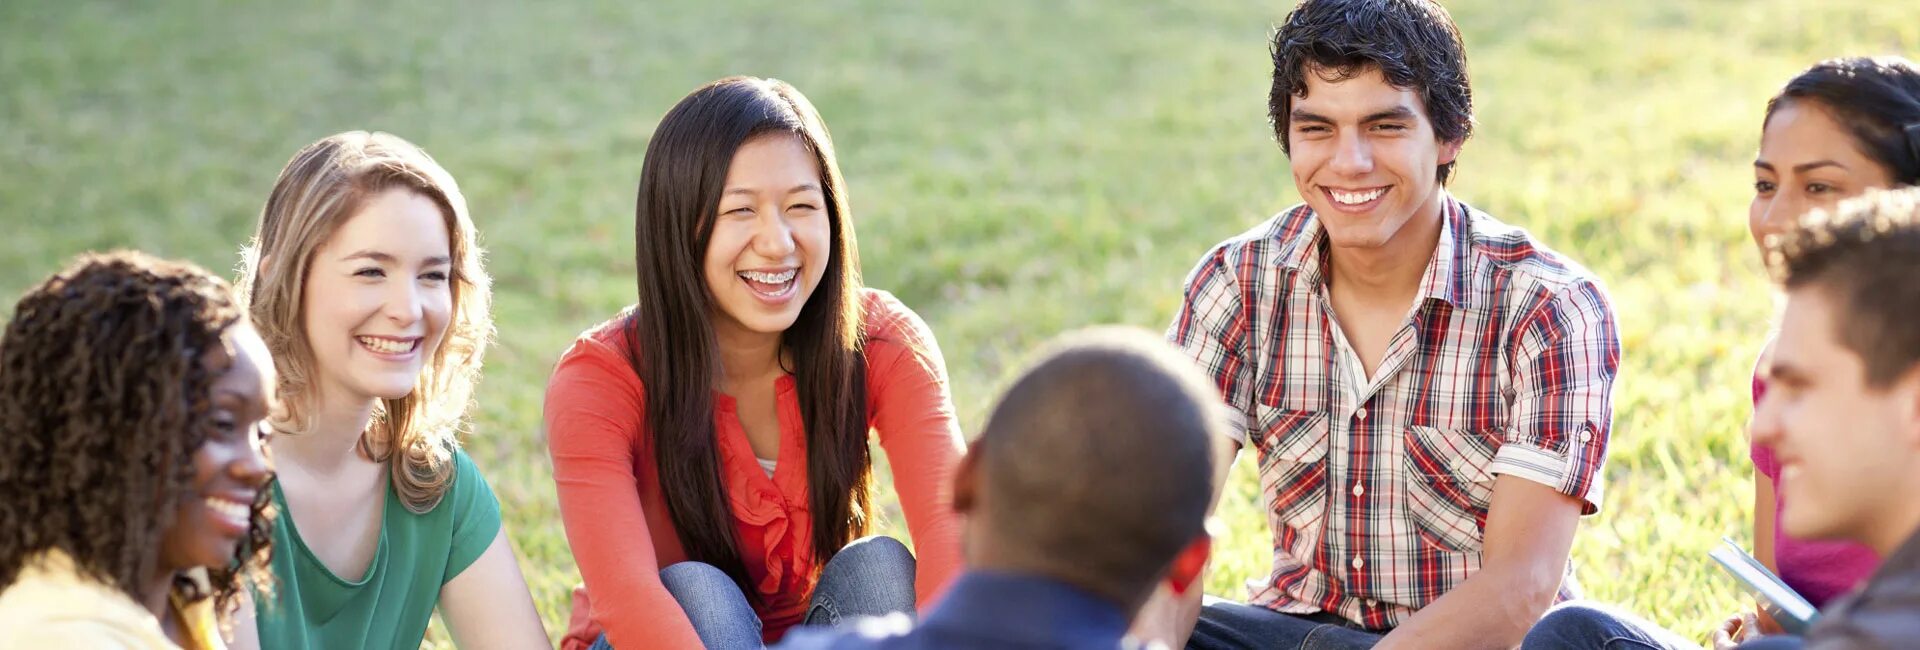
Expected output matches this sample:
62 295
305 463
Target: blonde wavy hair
325 184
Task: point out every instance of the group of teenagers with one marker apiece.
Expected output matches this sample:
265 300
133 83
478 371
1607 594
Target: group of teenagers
1428 394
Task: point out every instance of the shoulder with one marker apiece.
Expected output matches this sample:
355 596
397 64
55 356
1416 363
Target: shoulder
597 361
1268 242
1506 265
606 340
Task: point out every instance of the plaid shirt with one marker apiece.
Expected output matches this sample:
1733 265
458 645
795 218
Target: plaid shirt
1377 492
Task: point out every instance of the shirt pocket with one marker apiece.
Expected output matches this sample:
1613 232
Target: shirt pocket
1449 485
1293 473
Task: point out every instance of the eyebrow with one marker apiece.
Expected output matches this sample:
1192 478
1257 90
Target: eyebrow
1400 112
1801 168
385 258
803 187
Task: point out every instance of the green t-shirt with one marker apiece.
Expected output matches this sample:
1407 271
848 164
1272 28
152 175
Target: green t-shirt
388 607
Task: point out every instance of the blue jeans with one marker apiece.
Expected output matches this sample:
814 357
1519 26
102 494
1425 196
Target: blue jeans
873 576
1227 625
1581 625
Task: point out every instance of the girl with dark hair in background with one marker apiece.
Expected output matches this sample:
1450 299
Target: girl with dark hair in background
131 458
710 444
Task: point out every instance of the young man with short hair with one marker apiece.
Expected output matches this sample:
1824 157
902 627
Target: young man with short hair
1429 391
1088 486
1842 409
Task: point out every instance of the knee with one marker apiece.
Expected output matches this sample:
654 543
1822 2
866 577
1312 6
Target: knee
698 582
1569 625
879 555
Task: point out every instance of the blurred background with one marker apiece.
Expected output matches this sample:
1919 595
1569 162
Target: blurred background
1016 169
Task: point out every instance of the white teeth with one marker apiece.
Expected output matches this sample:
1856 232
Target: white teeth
230 509
1354 198
385 346
769 278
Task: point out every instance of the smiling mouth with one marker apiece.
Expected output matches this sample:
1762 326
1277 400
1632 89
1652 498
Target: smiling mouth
1362 197
234 513
388 346
771 285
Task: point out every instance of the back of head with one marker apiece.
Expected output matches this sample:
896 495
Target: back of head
104 396
1876 98
1413 43
1096 466
1865 256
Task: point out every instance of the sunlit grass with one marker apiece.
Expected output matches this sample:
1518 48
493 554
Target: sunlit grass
1016 169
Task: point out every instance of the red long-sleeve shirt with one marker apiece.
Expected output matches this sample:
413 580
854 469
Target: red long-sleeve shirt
616 515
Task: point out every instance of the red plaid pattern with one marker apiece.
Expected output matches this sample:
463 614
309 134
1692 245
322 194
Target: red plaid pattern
1377 494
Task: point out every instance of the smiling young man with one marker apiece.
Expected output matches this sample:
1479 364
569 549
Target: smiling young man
1428 390
1842 409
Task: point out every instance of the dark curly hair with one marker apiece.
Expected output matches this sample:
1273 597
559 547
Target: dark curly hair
1413 43
104 398
1877 99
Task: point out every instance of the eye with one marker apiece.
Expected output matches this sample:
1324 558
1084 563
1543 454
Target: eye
803 206
1763 187
434 276
370 272
1311 129
1390 127
1819 188
739 212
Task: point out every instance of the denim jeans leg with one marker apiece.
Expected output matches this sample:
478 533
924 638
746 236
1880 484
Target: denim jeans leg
713 603
873 576
1582 625
1227 625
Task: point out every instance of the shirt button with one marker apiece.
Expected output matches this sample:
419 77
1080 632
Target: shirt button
1372 603
1359 489
1360 414
1586 436
1358 563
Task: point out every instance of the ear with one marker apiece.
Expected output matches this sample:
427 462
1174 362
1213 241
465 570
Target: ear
1449 151
1908 389
1187 565
966 480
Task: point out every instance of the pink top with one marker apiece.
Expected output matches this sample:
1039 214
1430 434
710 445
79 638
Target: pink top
1820 571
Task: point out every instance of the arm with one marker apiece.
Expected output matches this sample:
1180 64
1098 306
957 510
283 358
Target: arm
1212 328
593 413
487 605
1763 543
1564 357
1529 533
912 410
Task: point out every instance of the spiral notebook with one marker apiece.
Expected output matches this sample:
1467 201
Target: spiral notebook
1786 606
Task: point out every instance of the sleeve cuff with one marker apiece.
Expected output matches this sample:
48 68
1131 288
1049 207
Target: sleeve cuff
1557 470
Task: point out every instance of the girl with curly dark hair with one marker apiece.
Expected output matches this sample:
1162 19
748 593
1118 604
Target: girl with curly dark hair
132 394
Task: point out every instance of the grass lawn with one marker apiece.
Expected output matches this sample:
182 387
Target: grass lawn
1016 171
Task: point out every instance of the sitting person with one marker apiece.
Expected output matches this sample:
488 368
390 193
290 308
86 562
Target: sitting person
711 444
131 397
1428 390
1842 409
1089 485
365 279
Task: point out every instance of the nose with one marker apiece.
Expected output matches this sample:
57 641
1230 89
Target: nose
251 465
773 236
403 304
1781 211
1766 425
1353 156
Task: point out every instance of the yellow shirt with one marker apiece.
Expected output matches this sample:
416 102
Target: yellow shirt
51 605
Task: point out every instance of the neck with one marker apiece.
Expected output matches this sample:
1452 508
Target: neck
334 440
1895 528
154 597
1392 270
747 355
989 558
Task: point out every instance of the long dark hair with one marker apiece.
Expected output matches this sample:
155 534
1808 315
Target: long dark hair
673 349
1877 99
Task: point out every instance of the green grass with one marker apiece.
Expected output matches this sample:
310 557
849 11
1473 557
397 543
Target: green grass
1016 170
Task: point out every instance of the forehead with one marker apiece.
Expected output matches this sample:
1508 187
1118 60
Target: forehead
393 220
249 370
1804 131
1363 90
1808 336
773 158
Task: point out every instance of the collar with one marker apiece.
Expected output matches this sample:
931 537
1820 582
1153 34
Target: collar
1304 252
1018 606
